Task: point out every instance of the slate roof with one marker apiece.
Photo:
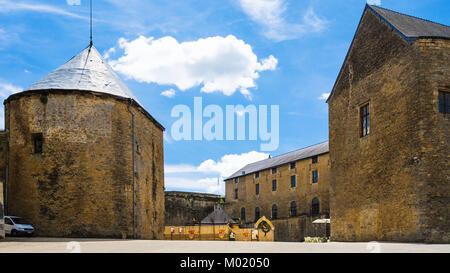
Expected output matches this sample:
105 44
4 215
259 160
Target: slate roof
217 217
275 161
87 71
409 26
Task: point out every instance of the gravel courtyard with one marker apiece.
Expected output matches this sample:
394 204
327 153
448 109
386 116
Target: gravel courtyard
64 245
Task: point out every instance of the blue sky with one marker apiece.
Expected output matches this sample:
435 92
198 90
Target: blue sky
279 52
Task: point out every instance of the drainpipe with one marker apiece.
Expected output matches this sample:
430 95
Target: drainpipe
134 168
7 164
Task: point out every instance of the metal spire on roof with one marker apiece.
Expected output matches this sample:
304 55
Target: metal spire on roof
90 23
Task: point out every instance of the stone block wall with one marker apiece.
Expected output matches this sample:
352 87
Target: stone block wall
182 207
394 183
81 185
2 221
303 194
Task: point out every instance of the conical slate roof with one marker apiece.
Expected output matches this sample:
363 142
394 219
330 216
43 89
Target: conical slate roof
217 217
87 71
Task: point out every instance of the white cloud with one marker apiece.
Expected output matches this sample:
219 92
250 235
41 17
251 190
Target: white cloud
8 6
6 89
219 64
270 14
204 185
170 93
374 2
205 177
231 163
73 2
324 96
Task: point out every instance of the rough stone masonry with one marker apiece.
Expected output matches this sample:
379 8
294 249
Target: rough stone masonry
391 184
84 162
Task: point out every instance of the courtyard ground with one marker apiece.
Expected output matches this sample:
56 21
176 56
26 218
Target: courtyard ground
63 245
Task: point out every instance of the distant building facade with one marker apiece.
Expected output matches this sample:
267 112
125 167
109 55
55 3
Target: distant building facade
81 157
389 132
292 190
188 208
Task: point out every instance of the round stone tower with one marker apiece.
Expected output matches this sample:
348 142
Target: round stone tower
84 158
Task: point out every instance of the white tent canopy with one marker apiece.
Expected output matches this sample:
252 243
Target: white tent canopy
321 221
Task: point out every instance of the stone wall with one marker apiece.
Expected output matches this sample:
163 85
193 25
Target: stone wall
182 207
393 183
303 194
2 221
82 182
3 148
295 229
432 166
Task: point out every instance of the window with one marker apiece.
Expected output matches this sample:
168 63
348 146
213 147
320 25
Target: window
293 181
274 170
8 221
315 159
274 185
257 175
315 207
315 176
257 213
293 208
274 212
365 120
444 102
38 141
235 193
292 165
236 180
243 214
257 189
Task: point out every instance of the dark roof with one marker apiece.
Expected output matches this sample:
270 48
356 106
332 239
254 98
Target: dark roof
275 161
411 27
217 217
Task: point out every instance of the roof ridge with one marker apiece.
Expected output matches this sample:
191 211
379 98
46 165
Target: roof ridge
404 14
291 151
250 164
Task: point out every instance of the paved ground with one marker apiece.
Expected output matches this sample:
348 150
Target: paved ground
32 245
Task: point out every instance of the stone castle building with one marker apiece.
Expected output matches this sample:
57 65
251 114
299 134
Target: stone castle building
188 208
81 156
291 189
389 132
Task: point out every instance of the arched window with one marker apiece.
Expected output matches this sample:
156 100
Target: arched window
274 212
243 214
257 214
315 206
293 208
